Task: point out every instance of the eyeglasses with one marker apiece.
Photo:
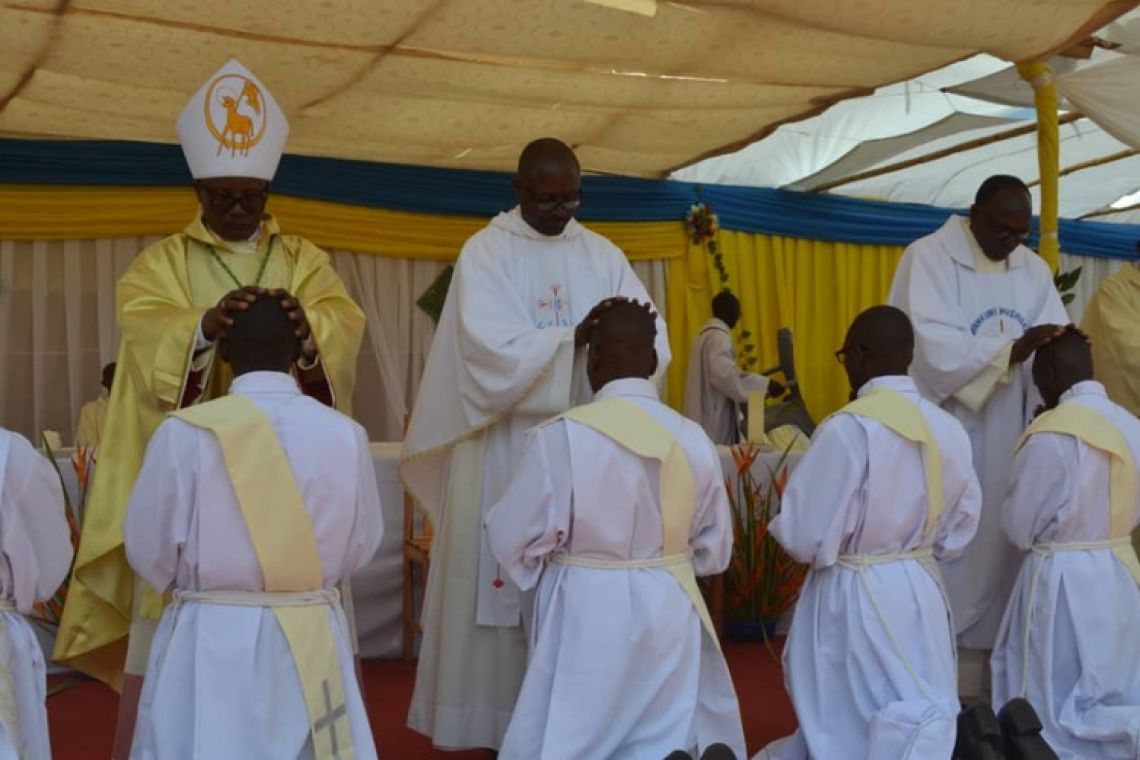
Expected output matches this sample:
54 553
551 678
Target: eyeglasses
570 202
250 202
841 354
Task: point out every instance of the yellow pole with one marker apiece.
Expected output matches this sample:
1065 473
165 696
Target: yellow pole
1040 75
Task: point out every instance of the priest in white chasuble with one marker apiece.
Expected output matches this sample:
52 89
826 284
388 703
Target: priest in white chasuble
174 302
886 490
1068 640
35 553
249 510
716 388
508 354
981 302
613 510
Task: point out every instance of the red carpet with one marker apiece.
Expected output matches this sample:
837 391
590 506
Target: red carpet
82 719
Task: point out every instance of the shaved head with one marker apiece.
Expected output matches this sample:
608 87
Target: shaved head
885 330
261 338
1062 363
880 343
545 154
622 343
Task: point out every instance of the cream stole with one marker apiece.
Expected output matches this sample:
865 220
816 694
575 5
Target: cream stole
623 422
1086 424
281 532
891 409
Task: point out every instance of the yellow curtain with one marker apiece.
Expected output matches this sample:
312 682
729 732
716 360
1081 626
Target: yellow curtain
38 212
813 287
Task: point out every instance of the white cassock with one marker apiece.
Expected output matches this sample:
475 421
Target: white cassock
716 387
221 680
620 666
1081 671
503 360
967 312
35 554
869 660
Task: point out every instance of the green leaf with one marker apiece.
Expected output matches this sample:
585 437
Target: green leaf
1067 298
432 300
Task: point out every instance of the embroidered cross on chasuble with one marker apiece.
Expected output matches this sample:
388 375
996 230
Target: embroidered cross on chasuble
281 532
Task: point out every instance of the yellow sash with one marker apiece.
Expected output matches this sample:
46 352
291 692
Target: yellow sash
1086 424
632 428
281 532
892 409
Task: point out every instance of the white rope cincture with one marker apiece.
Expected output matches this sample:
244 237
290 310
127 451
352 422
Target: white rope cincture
1043 552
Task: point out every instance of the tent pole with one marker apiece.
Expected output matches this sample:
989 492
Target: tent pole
1040 75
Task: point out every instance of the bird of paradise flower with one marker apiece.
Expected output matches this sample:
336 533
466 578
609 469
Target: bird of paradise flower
762 581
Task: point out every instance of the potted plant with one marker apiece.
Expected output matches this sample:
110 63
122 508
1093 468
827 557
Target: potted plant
762 581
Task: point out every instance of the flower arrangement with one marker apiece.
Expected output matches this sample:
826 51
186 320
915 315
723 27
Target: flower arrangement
762 581
704 227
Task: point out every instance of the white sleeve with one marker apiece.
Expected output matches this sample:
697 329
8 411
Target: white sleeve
368 523
723 373
201 342
1040 486
160 510
963 508
711 538
822 492
532 518
35 540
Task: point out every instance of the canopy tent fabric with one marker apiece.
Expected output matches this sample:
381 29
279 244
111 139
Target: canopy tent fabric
467 84
941 116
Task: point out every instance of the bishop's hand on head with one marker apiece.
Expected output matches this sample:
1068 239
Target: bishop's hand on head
292 305
217 320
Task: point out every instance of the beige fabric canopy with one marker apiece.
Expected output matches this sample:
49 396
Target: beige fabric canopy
466 83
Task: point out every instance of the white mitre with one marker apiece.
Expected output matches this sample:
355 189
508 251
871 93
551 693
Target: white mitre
233 127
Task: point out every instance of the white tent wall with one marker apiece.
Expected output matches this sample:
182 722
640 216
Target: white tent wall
57 329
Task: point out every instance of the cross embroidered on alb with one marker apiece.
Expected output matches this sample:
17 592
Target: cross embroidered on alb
329 719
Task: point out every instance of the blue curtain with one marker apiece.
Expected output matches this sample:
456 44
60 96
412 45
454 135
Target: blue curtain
479 193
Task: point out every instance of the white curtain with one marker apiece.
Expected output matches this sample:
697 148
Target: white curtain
1093 270
57 329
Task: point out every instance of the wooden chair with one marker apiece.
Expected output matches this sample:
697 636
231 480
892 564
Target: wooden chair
417 551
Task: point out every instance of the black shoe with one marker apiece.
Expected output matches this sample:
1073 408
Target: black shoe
1021 730
679 754
718 752
979 735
